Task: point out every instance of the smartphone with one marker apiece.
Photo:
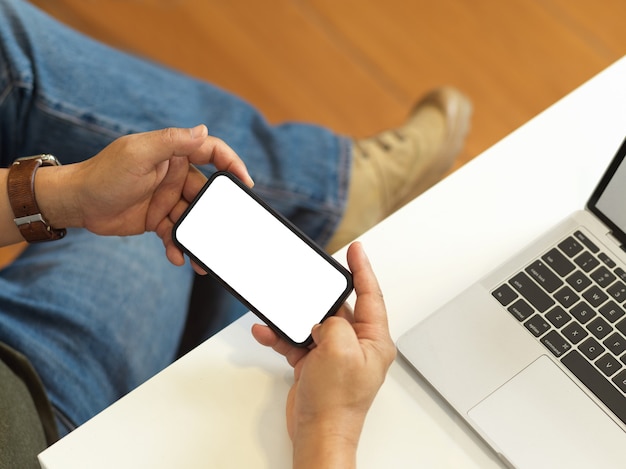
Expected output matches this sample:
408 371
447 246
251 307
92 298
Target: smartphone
262 258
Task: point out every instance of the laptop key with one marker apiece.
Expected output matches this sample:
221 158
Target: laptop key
574 332
580 236
532 292
558 317
597 384
537 325
611 311
583 312
570 247
608 365
521 310
578 281
595 296
561 264
587 261
599 327
504 294
544 276
603 276
566 296
591 348
607 260
555 343
618 291
616 343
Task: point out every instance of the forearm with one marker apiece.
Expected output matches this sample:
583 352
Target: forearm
57 190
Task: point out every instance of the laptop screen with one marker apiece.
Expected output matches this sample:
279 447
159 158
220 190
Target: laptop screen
608 201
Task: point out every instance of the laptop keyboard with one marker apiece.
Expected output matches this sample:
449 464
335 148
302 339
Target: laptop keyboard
573 300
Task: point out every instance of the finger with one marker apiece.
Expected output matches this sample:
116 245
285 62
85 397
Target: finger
197 269
160 145
265 336
164 231
172 251
174 255
215 151
167 194
371 322
177 211
369 305
194 183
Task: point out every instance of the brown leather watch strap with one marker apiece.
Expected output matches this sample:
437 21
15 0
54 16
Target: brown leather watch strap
21 189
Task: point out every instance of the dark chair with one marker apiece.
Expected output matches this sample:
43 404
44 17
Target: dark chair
200 319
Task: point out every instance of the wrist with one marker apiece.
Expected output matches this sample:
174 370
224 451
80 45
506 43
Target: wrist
327 440
56 191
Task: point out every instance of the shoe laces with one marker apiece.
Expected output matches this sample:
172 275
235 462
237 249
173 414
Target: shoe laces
364 145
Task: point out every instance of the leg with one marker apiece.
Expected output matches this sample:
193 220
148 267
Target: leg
96 316
73 100
302 170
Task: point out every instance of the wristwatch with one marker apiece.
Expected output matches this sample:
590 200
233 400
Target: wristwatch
21 188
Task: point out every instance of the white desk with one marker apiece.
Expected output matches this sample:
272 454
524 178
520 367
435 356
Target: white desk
222 405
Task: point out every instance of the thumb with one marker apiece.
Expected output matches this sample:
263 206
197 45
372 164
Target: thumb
161 145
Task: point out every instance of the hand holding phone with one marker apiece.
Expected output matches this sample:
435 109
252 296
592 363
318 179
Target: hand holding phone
262 258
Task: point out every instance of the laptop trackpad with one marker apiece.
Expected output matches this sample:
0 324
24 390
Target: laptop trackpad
541 418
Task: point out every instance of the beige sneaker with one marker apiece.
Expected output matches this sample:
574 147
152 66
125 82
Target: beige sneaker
395 166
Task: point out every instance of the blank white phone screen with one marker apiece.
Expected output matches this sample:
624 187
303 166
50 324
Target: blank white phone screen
273 269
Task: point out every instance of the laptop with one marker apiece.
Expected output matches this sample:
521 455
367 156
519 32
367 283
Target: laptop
533 355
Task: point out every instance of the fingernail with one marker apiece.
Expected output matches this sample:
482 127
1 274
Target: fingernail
199 131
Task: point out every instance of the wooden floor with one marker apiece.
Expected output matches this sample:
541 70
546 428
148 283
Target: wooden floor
357 66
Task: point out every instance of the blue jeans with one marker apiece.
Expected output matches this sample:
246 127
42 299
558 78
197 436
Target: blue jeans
97 316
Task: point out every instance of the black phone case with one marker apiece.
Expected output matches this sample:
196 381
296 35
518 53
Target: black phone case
294 229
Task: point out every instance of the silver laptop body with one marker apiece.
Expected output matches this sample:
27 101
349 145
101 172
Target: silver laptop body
533 356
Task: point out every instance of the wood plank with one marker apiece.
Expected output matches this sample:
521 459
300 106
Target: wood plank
601 25
513 58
